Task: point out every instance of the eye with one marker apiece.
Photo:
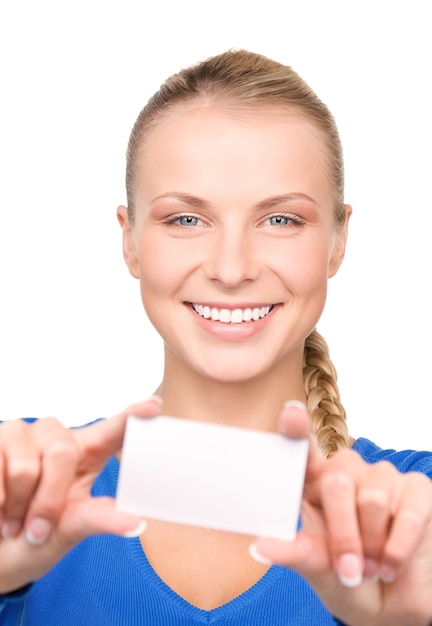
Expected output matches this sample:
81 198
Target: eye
184 220
279 220
187 220
284 219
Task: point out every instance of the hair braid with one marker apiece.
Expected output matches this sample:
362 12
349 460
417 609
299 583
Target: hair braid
323 398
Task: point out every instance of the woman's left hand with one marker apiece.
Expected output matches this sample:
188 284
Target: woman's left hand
365 545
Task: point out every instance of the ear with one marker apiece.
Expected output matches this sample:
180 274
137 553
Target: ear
338 252
129 249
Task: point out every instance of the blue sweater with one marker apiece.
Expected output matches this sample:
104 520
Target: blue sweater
107 581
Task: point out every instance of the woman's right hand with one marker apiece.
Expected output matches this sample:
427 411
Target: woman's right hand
46 475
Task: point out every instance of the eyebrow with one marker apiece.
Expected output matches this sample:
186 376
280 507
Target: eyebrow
193 201
273 201
267 203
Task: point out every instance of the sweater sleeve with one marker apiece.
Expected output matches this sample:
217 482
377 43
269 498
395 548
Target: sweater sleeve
12 605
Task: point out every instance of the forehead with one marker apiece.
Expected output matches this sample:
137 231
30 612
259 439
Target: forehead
206 147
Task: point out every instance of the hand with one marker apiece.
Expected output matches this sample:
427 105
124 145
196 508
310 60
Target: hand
366 540
46 474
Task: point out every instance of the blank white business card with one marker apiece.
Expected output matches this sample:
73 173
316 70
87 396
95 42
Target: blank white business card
214 476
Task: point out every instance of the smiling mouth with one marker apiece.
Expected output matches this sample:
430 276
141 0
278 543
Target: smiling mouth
234 316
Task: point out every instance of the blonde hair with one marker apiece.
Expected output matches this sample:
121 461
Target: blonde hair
323 397
244 82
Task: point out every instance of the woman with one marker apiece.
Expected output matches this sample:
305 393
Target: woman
235 222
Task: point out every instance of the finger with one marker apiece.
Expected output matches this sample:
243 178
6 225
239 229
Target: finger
22 468
104 438
294 422
307 555
411 519
59 461
267 551
375 511
99 515
338 498
2 489
70 455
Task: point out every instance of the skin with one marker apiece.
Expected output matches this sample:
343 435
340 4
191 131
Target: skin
233 255
45 505
249 242
366 539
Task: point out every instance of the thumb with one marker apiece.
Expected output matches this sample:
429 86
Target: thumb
94 516
105 437
307 555
295 422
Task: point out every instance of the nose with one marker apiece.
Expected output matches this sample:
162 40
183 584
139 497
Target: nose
232 259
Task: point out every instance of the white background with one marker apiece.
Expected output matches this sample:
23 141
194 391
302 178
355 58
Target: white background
74 341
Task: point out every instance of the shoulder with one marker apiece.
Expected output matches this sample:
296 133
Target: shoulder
403 460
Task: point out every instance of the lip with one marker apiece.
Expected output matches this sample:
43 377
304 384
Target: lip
231 306
233 331
232 316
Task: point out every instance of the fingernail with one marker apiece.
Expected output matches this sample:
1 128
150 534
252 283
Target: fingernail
156 398
295 403
253 551
349 570
136 532
371 570
38 530
387 573
10 528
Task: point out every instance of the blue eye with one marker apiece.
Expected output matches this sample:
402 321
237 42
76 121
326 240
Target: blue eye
284 219
280 220
183 220
187 220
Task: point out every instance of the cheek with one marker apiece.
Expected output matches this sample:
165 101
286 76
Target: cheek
163 266
304 268
154 265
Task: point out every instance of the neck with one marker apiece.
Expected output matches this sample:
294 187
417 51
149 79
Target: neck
254 403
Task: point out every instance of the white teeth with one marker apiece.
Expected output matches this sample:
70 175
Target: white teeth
247 315
235 316
224 315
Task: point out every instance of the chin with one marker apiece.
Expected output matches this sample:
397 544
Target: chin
231 374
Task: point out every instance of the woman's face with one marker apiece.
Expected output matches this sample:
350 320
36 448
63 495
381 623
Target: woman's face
234 239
